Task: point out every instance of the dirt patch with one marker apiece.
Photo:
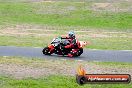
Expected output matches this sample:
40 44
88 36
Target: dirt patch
113 7
34 68
30 30
23 30
22 71
38 1
102 5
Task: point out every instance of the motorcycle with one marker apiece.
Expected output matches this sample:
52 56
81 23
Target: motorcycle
56 47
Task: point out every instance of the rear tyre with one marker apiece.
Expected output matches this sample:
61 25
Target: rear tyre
76 54
46 51
79 52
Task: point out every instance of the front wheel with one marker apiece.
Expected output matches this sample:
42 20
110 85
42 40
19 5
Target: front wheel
46 51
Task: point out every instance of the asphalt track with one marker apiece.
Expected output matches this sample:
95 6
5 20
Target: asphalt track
89 55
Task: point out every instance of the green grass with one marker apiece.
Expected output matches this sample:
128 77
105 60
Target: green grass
115 64
42 62
110 43
23 41
117 43
64 14
52 82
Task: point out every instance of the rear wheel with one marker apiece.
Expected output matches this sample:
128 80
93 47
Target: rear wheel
46 51
79 52
76 54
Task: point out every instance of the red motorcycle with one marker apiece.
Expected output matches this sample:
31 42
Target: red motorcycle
56 47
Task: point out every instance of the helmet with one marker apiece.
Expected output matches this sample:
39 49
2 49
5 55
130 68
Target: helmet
71 34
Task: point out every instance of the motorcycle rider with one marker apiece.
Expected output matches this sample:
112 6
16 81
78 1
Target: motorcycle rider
73 42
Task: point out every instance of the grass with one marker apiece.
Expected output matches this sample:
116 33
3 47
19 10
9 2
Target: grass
63 13
23 41
115 64
111 43
105 43
66 16
53 82
40 61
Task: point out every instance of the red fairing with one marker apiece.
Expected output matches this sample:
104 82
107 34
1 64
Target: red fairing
51 48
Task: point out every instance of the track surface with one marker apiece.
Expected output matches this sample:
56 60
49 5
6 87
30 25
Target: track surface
89 55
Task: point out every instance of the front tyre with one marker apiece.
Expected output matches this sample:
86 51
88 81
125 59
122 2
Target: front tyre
46 51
